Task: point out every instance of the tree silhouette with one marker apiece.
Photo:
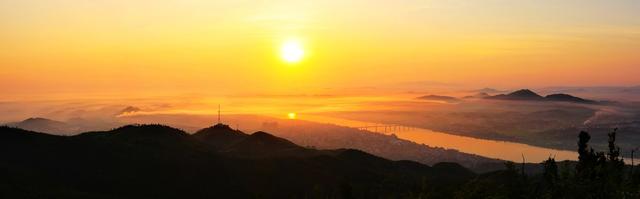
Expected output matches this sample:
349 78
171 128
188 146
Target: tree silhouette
596 175
550 173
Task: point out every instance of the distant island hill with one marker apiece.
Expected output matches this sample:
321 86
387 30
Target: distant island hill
526 94
519 95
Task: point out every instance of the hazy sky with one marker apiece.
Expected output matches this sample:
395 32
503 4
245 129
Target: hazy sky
223 47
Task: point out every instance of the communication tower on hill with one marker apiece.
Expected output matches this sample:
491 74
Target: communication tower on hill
219 114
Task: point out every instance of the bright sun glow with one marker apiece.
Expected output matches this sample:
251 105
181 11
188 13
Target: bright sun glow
291 116
291 51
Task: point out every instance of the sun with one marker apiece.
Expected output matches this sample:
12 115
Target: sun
291 116
291 51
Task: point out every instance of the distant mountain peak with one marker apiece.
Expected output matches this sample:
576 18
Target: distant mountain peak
488 90
522 94
31 119
41 120
128 110
439 98
526 94
40 124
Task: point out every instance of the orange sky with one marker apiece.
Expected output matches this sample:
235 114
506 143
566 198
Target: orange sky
231 47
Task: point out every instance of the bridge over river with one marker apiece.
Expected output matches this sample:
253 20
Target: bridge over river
489 148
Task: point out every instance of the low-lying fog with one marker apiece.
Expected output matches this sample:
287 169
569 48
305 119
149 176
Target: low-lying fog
538 123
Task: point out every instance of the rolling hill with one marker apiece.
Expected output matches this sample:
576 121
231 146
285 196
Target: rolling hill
155 161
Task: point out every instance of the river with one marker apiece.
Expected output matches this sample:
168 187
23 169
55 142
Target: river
488 148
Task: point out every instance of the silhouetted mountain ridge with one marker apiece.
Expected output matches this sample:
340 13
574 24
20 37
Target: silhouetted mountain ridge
156 161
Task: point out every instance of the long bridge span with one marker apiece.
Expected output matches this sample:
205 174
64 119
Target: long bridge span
384 128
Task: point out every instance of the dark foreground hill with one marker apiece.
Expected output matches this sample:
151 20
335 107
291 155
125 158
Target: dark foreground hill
154 161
